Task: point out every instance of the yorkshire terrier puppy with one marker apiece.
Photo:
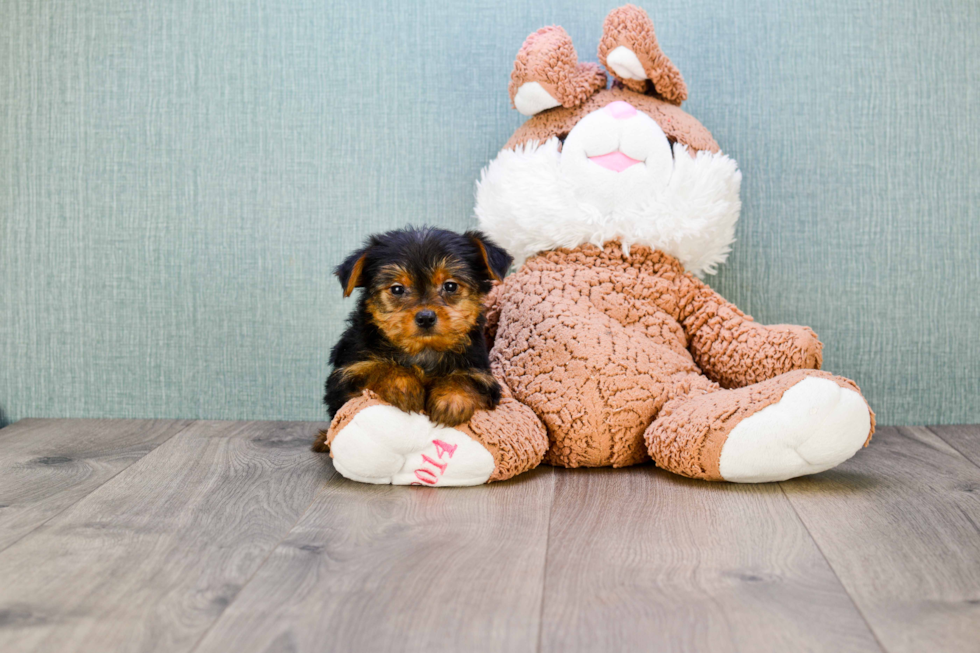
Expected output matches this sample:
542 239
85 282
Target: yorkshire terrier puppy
416 337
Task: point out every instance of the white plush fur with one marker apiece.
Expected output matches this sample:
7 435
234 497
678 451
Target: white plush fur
531 98
528 201
639 137
625 63
815 426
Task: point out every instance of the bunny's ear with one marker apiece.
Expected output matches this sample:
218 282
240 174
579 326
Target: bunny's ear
629 50
495 259
351 271
547 74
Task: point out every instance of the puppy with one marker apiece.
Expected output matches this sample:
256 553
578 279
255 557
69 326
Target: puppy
416 336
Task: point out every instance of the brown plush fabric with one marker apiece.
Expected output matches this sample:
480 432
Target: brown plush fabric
735 351
690 431
629 26
491 312
674 121
512 434
596 342
548 57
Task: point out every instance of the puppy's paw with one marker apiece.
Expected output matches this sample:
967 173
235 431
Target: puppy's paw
493 394
451 410
452 402
402 390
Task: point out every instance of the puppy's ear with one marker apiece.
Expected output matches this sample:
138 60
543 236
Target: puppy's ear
351 271
495 259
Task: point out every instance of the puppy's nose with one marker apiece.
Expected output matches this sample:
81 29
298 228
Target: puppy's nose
425 319
621 110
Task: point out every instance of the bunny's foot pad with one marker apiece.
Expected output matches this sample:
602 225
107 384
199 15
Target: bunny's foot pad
386 446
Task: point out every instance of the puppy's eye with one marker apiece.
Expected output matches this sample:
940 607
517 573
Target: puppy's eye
397 289
450 286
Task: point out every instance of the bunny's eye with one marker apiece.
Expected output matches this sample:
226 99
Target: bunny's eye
450 286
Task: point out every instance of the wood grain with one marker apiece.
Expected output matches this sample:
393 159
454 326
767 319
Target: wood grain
380 568
900 525
963 438
48 465
640 559
149 560
222 536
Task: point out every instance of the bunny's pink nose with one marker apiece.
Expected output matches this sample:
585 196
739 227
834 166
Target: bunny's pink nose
621 110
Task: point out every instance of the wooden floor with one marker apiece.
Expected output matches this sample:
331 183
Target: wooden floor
232 536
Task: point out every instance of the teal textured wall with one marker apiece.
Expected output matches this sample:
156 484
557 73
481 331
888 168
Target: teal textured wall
178 178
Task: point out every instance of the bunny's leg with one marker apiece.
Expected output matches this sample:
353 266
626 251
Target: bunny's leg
373 442
798 423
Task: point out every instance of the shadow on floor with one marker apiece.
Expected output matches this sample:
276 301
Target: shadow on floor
839 482
3 418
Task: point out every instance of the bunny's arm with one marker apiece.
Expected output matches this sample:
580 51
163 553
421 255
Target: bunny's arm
733 349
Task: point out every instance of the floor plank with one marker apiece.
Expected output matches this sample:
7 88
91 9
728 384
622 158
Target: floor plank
900 525
47 465
148 561
141 536
640 559
380 568
964 438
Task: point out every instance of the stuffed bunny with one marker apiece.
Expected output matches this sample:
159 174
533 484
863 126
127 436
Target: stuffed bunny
610 349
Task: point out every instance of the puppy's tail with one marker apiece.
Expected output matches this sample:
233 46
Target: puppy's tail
320 445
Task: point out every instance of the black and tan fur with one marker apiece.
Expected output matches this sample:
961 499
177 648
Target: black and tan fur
416 336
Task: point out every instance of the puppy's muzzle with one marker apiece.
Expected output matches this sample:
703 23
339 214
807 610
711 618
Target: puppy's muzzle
425 319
